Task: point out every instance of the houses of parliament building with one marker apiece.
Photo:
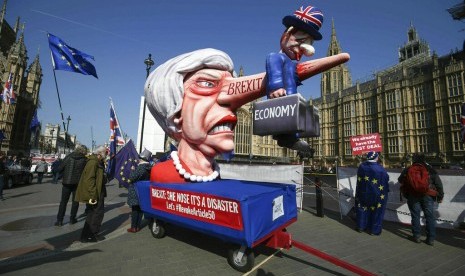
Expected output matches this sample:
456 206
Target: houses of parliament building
414 105
26 79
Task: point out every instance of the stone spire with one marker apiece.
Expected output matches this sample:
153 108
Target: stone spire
334 47
16 29
34 80
337 78
2 16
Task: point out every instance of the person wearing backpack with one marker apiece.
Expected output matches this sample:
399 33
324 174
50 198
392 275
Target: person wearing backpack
421 185
142 172
371 195
71 168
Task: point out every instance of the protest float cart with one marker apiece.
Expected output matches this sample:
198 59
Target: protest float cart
244 214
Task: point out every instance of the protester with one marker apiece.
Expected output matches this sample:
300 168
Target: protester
421 185
2 173
41 168
12 161
91 190
142 172
71 168
302 29
55 172
371 195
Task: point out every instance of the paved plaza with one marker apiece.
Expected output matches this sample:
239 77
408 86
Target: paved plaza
30 244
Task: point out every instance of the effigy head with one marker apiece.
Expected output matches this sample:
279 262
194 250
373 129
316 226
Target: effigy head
164 88
308 19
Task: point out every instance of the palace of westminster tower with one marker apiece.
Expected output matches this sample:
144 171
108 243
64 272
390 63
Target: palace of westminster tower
414 105
15 118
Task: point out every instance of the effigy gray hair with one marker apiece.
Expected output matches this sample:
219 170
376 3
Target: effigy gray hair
164 88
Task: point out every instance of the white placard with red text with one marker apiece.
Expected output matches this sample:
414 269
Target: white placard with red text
365 143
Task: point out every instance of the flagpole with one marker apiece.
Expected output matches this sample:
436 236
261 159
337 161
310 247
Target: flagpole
59 102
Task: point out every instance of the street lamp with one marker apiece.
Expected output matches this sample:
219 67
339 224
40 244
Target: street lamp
66 133
148 63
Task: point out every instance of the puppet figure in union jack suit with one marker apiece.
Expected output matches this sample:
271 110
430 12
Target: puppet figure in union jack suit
302 29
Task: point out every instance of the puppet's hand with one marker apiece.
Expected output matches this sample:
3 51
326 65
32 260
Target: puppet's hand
92 201
281 92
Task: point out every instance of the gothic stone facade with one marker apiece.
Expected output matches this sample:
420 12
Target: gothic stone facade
15 119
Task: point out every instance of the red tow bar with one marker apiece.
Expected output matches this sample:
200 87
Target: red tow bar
331 259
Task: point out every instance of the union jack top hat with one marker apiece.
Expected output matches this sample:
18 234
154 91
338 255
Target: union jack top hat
308 19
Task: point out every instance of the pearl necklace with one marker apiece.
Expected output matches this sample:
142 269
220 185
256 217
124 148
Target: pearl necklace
193 177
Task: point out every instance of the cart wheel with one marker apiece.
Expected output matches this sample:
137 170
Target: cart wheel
157 229
241 259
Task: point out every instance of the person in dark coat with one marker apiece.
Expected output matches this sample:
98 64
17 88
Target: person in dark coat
418 203
91 190
371 195
142 172
71 168
55 171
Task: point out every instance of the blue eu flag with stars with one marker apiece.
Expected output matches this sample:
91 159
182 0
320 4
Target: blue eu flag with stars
126 161
67 58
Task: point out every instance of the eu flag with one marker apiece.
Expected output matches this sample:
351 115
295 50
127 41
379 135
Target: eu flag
35 122
126 161
67 58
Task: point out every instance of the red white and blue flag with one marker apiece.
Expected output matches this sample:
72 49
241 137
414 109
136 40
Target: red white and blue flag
116 139
115 132
462 124
9 97
310 15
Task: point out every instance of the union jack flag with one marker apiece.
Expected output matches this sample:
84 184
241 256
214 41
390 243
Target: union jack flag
115 133
462 124
9 97
116 139
310 14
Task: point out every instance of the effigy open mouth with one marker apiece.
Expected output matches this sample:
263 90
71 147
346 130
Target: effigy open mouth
226 124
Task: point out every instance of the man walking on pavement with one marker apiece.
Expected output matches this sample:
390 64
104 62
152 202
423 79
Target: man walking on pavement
91 190
71 168
41 168
421 185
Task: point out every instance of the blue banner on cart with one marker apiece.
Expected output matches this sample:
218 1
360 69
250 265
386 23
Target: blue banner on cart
236 211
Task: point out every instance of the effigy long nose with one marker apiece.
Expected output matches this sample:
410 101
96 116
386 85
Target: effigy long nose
238 91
